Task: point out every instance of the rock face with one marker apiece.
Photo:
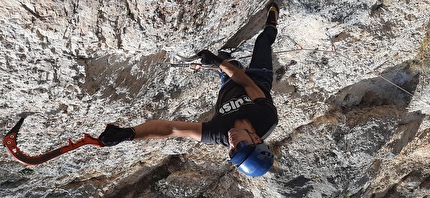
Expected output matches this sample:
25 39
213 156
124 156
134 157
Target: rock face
352 93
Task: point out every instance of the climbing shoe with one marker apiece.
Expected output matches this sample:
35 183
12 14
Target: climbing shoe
113 135
273 14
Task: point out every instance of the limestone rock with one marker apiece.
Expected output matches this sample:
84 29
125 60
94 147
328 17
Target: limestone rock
354 107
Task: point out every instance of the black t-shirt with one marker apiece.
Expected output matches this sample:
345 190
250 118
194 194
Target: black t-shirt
233 103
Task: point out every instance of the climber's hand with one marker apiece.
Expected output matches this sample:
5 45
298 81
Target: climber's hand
208 58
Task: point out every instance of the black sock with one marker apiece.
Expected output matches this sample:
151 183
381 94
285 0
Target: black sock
113 135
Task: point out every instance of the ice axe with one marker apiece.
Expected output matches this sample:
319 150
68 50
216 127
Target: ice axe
9 141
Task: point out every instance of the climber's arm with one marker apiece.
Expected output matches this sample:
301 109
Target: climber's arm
164 128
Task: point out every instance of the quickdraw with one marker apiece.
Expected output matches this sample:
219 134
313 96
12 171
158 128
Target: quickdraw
183 58
193 66
9 141
189 62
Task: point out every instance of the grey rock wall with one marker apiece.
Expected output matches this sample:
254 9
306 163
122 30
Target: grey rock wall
352 95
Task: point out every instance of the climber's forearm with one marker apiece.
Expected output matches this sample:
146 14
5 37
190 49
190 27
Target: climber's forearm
164 128
242 79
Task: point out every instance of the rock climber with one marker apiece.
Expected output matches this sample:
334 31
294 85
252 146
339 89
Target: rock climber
245 114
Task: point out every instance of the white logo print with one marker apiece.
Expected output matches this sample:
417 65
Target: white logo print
233 105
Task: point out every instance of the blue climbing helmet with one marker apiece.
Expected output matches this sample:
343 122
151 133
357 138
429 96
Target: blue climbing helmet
253 160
